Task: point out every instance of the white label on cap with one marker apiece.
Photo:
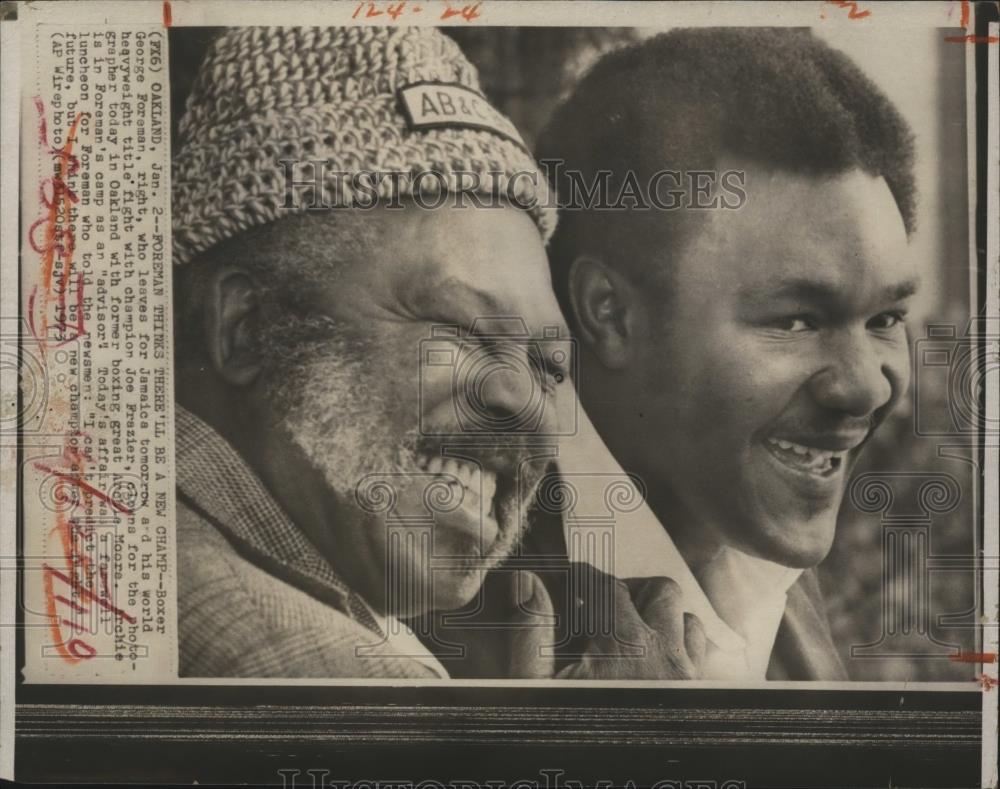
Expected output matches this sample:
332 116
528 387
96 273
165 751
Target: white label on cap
435 106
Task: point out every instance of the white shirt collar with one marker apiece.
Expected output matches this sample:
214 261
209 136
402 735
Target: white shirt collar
750 595
740 599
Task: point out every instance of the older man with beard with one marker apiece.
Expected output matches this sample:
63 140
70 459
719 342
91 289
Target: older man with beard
318 503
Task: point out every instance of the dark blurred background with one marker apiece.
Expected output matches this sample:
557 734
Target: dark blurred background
914 616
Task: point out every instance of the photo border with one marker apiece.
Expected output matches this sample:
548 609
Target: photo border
217 732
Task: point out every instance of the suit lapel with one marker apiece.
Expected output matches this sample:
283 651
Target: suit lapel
804 648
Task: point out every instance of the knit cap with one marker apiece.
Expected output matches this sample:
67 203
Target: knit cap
359 99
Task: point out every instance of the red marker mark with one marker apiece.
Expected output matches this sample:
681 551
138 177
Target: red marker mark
969 39
852 7
76 480
73 650
467 12
81 650
87 594
168 17
369 9
972 39
75 606
73 626
84 581
974 657
987 682
51 236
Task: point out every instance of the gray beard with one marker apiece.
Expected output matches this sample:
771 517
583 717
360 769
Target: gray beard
333 411
335 416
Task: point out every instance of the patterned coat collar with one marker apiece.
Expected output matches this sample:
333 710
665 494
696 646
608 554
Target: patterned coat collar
215 481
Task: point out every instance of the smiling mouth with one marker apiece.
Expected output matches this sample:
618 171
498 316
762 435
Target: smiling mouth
817 462
478 485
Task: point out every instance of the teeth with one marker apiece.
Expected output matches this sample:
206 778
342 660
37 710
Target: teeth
469 475
817 459
489 485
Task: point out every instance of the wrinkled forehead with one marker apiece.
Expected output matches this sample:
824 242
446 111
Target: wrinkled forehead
469 263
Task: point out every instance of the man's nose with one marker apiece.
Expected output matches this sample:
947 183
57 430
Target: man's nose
511 393
860 377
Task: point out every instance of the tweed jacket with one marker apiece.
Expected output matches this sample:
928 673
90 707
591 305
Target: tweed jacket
255 598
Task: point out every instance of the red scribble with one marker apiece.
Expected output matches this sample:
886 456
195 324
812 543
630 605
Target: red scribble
75 606
467 12
73 626
102 573
972 39
75 480
987 682
969 39
88 594
396 9
73 456
81 588
853 12
974 657
57 242
168 16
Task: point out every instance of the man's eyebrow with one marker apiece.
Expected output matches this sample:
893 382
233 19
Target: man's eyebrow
902 290
821 292
462 296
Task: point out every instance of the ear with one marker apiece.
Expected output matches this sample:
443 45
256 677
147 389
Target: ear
603 304
231 309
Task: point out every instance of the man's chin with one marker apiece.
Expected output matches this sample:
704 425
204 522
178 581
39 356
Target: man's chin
798 542
465 544
786 515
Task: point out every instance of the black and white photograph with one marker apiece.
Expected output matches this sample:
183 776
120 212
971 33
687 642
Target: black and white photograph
369 439
540 393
